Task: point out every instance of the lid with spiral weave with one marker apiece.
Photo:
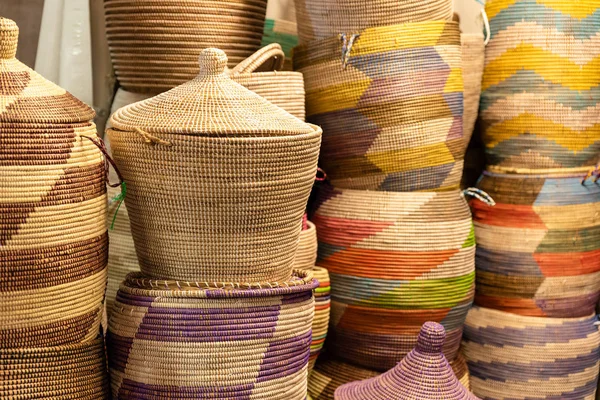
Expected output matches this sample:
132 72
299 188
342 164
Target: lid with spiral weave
209 105
26 96
424 374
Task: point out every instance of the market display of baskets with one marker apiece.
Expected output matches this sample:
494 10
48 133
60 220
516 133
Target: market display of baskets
539 105
517 357
154 44
230 180
320 19
391 109
538 248
178 339
396 260
53 241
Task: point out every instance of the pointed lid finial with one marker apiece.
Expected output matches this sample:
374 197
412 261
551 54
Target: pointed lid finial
9 36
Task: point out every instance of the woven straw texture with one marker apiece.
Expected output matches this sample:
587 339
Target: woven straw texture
393 117
261 73
539 105
284 33
230 180
538 250
517 358
321 19
53 243
331 373
154 44
473 56
306 255
168 339
396 261
424 374
75 371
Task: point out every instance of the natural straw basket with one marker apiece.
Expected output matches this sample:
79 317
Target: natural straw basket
229 181
76 371
516 357
392 111
261 73
283 32
396 260
53 244
306 255
424 374
539 105
538 250
331 373
324 18
154 44
473 56
170 339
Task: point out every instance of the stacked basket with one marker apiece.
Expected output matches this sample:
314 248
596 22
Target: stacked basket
53 241
538 255
218 310
384 80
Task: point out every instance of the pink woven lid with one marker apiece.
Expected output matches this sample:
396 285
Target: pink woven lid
423 374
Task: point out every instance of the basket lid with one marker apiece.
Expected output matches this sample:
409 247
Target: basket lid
28 97
212 105
423 374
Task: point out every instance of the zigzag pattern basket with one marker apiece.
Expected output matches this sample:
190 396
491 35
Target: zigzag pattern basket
396 261
541 86
517 357
538 248
170 339
392 112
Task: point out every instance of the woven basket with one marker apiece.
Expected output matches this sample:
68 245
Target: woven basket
75 371
154 44
53 244
423 374
331 373
284 33
538 250
517 357
396 260
170 339
320 324
306 255
261 74
325 18
539 105
392 116
230 181
473 56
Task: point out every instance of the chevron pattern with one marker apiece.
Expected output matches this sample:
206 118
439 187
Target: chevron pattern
541 85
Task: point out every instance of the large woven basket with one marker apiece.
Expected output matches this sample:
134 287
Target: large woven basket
53 243
539 104
392 110
229 181
154 44
516 357
538 250
76 371
396 260
473 56
262 74
170 339
330 373
321 19
423 374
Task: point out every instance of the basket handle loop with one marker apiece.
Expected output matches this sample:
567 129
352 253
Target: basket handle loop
150 139
479 195
486 25
268 58
593 172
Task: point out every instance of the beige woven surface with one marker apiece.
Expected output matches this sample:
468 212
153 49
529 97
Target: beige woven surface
473 57
306 255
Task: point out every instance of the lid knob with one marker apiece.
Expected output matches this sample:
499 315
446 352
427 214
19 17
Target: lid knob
9 36
431 337
212 62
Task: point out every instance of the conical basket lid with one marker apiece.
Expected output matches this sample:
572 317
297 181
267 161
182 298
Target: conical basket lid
28 97
210 105
424 374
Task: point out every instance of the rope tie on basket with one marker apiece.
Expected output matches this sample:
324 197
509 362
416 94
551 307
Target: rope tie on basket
595 172
347 44
322 177
479 195
486 24
99 143
150 139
